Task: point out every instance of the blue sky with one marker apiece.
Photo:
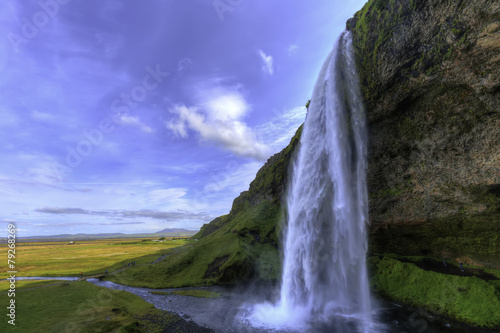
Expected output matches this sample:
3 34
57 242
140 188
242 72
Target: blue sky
135 116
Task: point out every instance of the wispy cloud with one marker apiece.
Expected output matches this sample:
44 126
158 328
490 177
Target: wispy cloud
218 119
122 223
171 194
148 213
267 63
278 132
42 116
79 224
57 210
135 121
110 43
13 221
292 49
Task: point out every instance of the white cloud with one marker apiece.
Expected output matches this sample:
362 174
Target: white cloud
278 132
225 185
227 106
267 63
41 116
178 127
135 121
218 119
162 196
292 49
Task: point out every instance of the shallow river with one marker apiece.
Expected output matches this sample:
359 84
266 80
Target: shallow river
230 312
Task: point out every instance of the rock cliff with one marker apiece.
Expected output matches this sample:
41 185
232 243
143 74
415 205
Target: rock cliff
430 72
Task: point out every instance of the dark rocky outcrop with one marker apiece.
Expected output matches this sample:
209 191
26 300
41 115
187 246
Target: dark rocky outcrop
430 73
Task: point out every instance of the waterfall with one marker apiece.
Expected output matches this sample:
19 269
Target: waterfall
324 271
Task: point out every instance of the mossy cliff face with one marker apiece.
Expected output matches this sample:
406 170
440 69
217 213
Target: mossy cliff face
430 73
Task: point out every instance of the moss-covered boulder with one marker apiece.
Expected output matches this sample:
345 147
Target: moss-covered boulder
468 299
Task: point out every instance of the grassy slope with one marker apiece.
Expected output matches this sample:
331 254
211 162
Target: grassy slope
233 247
83 307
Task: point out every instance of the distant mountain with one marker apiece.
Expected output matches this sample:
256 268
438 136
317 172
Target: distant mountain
176 232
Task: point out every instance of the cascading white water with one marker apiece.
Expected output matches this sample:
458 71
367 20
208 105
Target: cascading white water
324 273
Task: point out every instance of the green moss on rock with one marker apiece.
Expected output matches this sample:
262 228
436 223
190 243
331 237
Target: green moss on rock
467 299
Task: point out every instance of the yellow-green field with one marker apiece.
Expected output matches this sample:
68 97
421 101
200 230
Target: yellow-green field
89 257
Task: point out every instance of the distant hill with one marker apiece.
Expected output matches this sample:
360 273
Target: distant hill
176 232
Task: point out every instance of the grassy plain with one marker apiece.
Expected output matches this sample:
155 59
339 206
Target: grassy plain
26 284
79 306
90 257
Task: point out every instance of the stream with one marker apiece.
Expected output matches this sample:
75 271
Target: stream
231 312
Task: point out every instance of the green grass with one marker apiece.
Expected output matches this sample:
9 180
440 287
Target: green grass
194 293
83 307
25 284
74 306
467 299
89 257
